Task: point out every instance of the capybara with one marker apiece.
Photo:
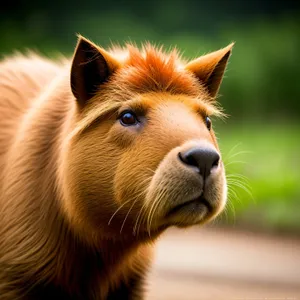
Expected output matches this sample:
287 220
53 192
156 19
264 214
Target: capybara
98 156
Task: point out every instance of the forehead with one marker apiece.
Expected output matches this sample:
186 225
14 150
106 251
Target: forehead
173 119
166 101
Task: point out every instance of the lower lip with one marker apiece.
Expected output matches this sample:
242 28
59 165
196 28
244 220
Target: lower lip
195 205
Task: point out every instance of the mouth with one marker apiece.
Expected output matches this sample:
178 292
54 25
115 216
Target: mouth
195 205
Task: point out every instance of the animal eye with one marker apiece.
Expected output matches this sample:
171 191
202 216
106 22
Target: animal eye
208 123
128 118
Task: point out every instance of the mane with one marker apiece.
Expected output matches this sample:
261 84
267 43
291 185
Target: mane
152 69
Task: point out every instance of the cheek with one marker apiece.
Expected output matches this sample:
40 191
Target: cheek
134 172
89 172
130 179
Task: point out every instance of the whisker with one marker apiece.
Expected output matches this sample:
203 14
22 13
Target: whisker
234 162
235 181
236 175
242 186
241 180
225 213
151 209
136 225
136 199
120 207
226 158
140 218
128 214
154 206
233 148
232 194
143 218
152 171
231 206
159 200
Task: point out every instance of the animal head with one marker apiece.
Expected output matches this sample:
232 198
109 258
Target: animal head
142 154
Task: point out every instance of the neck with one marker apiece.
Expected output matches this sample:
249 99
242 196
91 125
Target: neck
43 237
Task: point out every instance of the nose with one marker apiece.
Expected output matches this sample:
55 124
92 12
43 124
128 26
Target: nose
203 159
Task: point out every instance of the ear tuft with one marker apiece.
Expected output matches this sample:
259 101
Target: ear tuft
210 68
91 67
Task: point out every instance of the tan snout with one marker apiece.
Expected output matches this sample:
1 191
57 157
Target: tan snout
189 185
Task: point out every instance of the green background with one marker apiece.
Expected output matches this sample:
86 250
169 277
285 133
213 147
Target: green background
261 138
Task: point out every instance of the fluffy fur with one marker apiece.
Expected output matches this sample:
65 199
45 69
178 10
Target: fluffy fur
83 198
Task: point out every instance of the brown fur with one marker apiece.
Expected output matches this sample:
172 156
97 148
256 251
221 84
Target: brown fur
82 197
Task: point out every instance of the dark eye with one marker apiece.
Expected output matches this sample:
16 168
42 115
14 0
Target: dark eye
128 118
208 123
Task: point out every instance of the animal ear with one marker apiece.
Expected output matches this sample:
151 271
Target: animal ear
209 69
91 67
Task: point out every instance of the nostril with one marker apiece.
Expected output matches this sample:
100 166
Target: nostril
180 157
188 160
216 163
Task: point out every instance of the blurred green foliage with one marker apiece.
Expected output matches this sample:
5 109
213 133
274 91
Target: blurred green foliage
260 91
262 164
263 74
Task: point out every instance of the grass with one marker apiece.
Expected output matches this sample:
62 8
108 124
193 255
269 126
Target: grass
268 155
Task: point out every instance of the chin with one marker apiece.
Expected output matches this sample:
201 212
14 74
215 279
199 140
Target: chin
192 212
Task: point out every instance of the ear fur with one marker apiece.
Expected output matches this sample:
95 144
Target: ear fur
91 67
210 68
